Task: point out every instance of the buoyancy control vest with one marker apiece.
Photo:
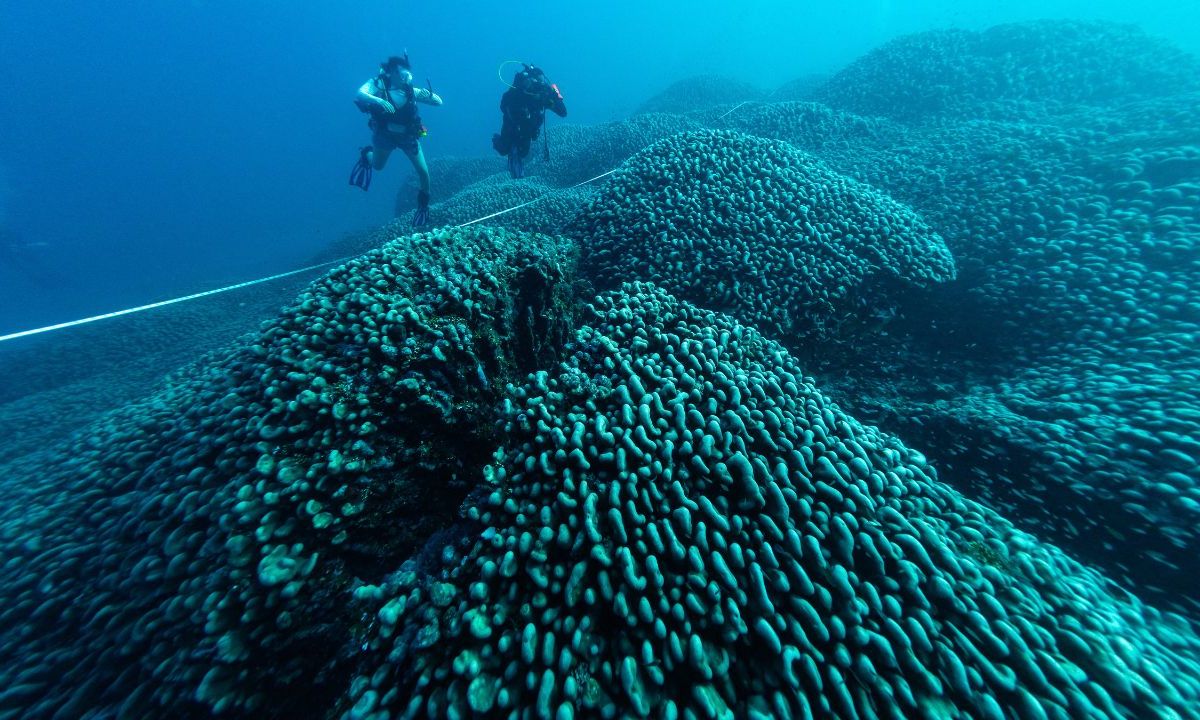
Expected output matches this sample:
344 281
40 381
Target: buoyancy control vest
406 120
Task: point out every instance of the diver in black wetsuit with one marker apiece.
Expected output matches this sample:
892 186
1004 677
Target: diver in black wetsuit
391 101
524 107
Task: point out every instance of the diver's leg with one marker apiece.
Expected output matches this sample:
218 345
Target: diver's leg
502 142
417 156
522 153
505 143
379 156
383 147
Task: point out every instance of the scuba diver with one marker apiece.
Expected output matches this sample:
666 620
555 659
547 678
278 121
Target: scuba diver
524 107
391 101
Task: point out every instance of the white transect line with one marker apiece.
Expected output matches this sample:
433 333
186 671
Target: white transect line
248 283
735 107
151 306
747 102
530 202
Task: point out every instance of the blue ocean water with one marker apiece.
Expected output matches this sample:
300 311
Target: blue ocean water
154 150
834 361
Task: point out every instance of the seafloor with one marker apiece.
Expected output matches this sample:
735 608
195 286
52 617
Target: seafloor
875 395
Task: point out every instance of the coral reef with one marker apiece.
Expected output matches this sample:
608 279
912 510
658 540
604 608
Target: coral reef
209 532
681 525
540 207
700 92
756 228
885 407
53 385
578 153
951 71
801 88
449 175
1053 379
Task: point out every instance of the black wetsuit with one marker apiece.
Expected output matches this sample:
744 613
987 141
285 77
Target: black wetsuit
524 112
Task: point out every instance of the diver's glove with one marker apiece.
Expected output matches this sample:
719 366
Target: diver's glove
385 106
421 216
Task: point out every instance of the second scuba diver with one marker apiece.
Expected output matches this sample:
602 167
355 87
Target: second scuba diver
391 101
524 107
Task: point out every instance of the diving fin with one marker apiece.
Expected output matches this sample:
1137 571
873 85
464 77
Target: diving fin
361 173
421 216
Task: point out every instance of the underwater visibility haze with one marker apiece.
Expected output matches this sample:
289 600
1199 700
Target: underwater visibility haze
757 360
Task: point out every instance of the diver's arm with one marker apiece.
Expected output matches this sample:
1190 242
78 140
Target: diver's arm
508 102
554 101
365 96
429 97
